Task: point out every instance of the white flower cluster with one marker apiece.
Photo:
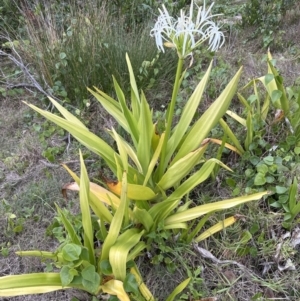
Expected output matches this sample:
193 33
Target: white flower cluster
185 33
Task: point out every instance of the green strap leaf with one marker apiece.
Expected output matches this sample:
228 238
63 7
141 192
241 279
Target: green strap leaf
130 151
85 211
249 137
193 213
137 249
178 289
98 195
209 119
231 135
216 228
131 121
181 168
258 110
38 253
135 99
265 108
146 133
236 117
68 226
112 107
143 217
187 115
119 251
67 114
122 151
293 191
177 226
84 136
117 221
35 283
243 100
198 177
198 227
149 175
161 210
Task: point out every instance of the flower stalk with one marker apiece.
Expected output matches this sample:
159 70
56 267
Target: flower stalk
170 114
185 34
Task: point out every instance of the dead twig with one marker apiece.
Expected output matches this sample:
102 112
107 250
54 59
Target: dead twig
52 165
206 254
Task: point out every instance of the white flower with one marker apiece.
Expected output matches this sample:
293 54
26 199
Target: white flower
185 34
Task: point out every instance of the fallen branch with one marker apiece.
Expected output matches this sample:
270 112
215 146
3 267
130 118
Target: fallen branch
23 85
15 57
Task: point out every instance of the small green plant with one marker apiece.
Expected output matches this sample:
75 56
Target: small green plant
195 282
289 202
12 224
45 131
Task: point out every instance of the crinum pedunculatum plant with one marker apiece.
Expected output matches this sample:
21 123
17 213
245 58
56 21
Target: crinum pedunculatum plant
154 174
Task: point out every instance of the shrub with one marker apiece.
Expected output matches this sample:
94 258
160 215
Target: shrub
75 47
267 17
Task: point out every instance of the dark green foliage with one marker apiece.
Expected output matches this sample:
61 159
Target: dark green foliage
138 11
272 160
267 16
10 18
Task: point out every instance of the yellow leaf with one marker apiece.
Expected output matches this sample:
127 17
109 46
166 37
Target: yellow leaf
178 289
235 116
195 212
115 287
216 228
155 138
134 191
101 193
227 145
118 253
29 291
142 286
27 284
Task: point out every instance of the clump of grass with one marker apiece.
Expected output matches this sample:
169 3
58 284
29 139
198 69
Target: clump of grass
75 47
